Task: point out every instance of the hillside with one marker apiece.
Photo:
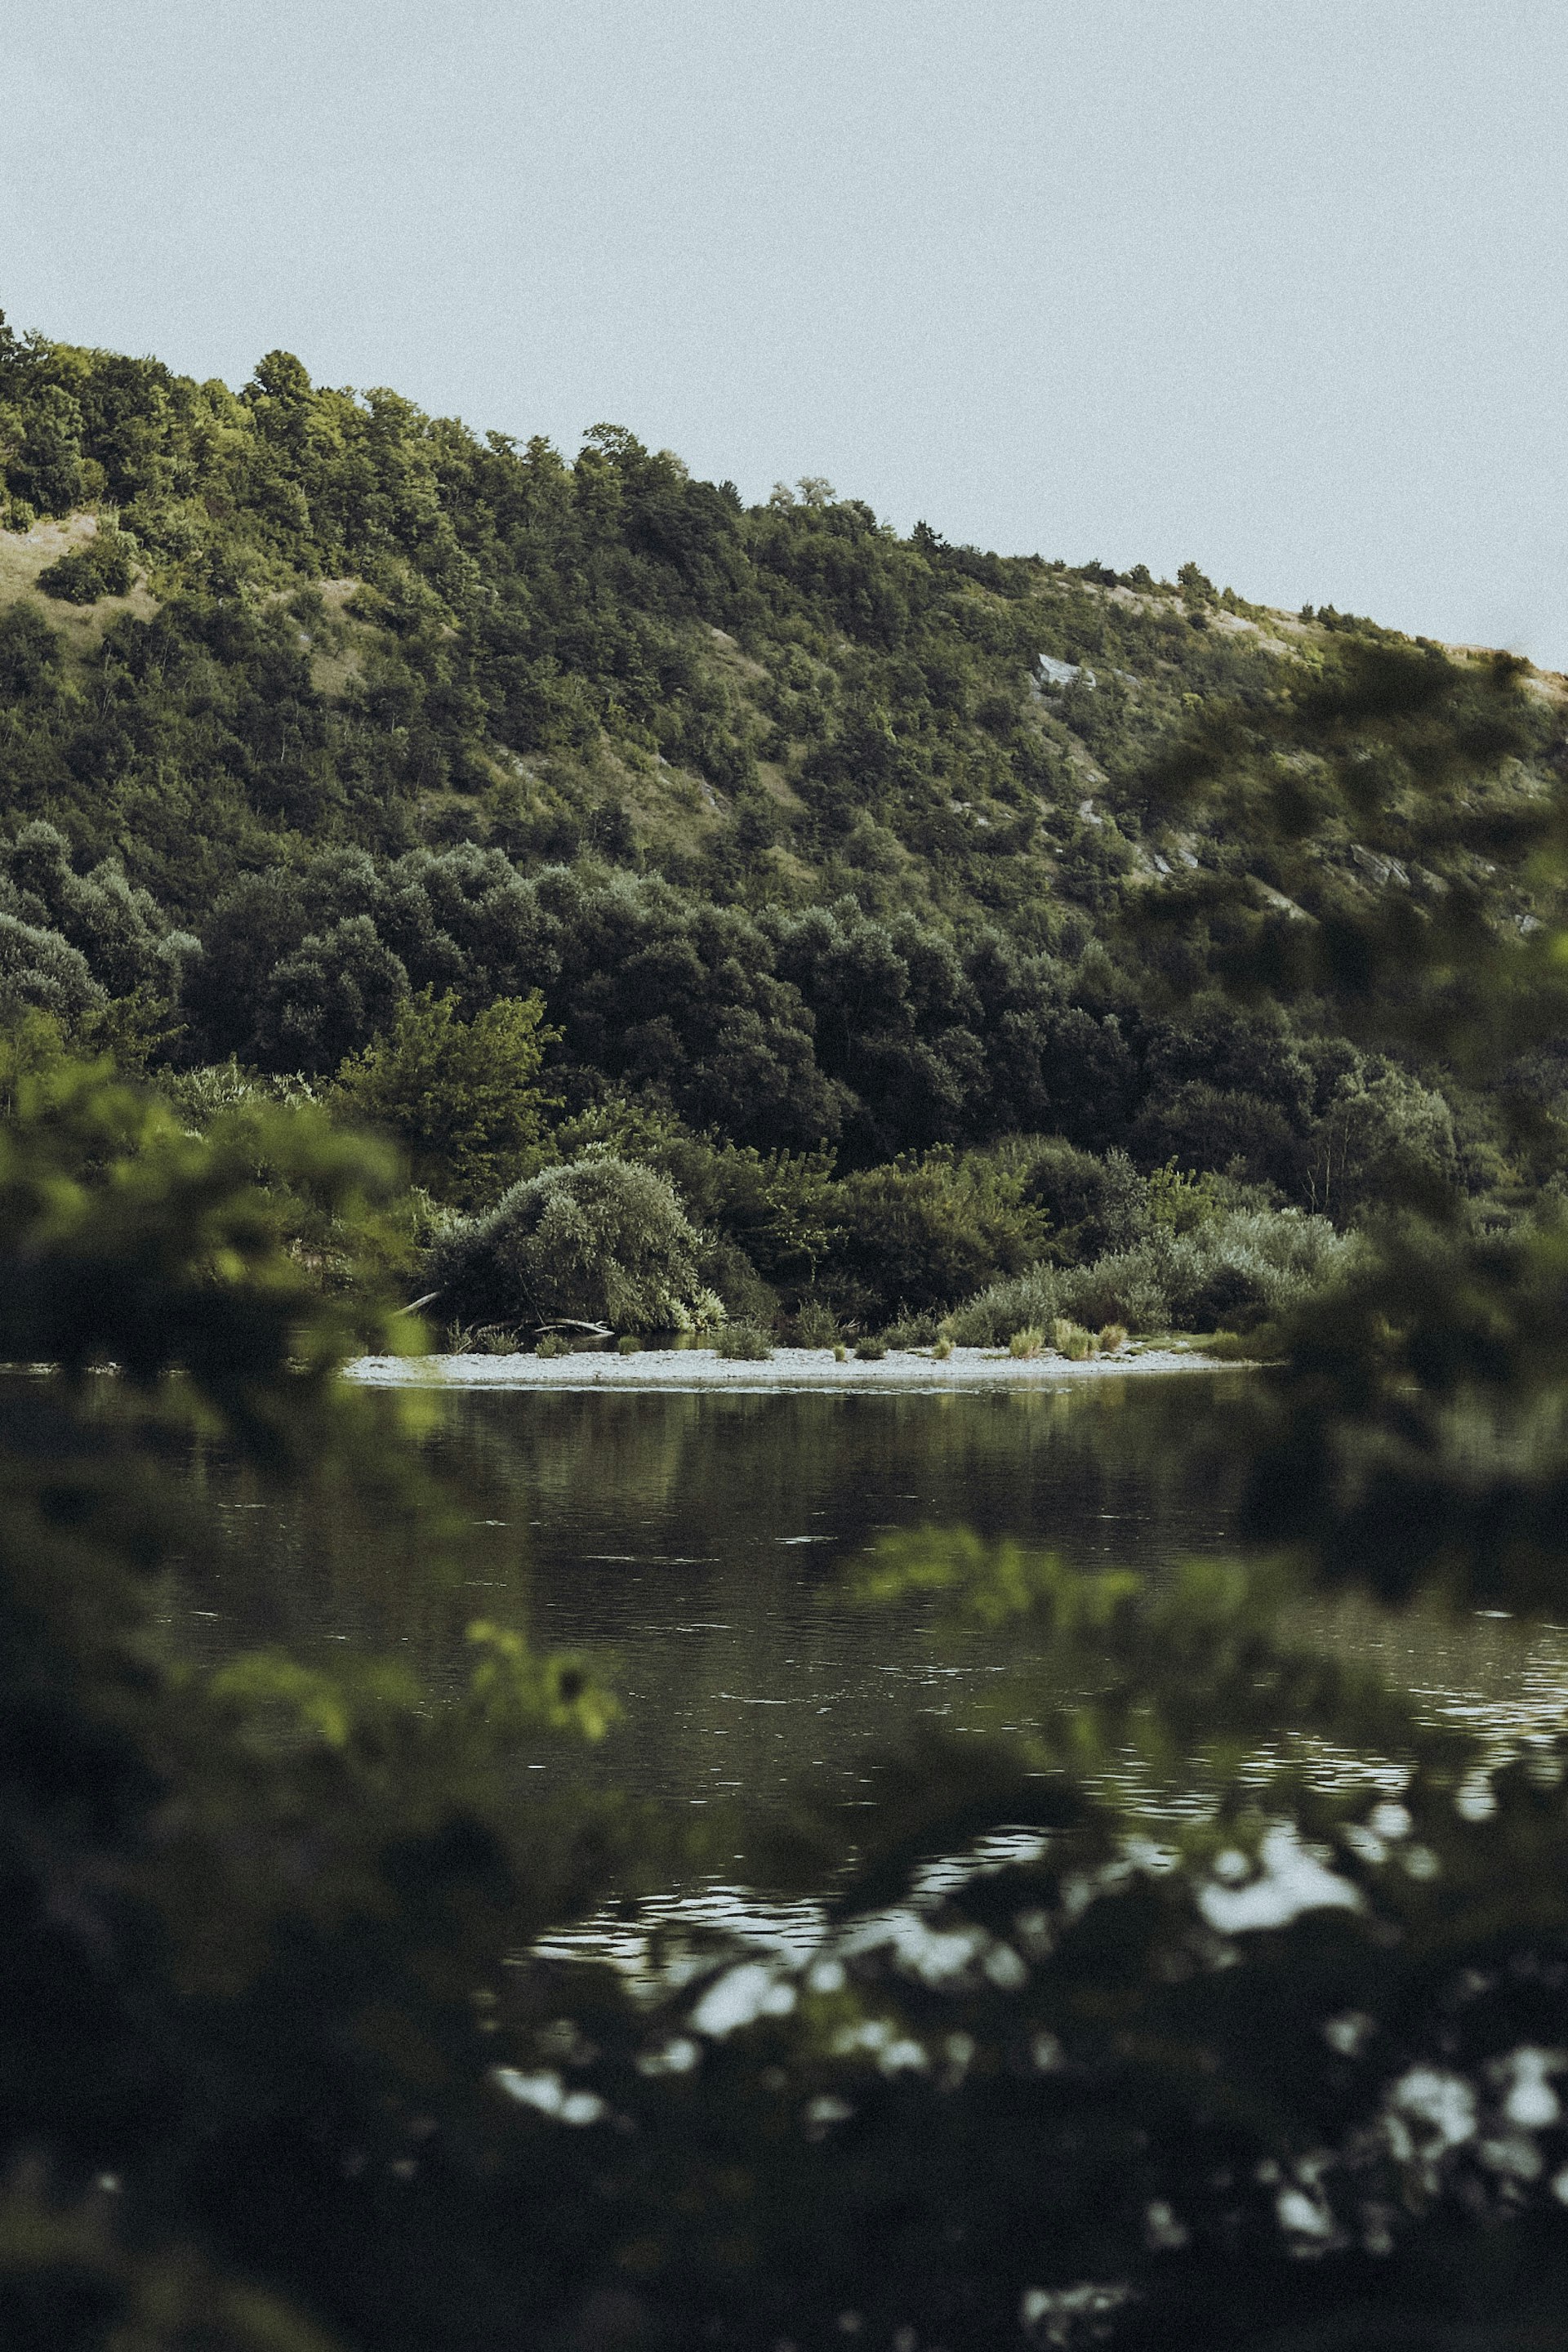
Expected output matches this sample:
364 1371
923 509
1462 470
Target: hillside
810 835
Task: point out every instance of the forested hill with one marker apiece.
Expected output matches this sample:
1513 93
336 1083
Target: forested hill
810 834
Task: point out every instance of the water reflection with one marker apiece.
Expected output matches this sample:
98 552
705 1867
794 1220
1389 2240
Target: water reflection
691 1541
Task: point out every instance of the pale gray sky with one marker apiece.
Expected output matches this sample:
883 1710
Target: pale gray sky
1280 287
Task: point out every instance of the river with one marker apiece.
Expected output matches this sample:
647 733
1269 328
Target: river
692 1545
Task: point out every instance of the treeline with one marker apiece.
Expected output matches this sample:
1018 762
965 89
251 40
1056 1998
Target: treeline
784 1029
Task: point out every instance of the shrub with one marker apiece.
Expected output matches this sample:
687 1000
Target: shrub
870 1350
596 1240
1182 1201
551 1343
497 1342
628 1344
1094 1204
1026 1342
71 580
1249 1265
990 1319
911 1331
41 971
917 1233
1129 1289
103 567
942 1349
816 1326
724 1268
743 1343
1071 1341
1234 1269
1113 1336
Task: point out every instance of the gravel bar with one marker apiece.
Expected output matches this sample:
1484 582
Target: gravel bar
789 1368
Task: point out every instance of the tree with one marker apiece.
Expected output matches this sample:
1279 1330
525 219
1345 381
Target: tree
338 990
461 1095
38 968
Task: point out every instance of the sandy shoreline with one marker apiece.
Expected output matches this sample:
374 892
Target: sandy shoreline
789 1368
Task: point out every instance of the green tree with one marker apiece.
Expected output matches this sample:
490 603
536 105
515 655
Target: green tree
462 1096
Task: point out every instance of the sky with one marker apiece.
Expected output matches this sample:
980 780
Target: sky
1278 287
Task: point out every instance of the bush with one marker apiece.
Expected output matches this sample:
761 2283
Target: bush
743 1343
1113 1336
1130 1287
990 1319
916 1234
551 1343
1026 1342
816 1326
1094 1204
724 1268
41 971
911 1331
1239 1267
103 567
628 1344
596 1240
869 1350
1071 1341
1249 1265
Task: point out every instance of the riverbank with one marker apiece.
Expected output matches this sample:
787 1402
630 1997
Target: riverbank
788 1368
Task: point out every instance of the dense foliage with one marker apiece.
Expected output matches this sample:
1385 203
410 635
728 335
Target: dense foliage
811 838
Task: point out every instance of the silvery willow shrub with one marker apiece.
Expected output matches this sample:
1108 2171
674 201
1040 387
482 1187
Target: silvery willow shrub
596 1239
990 1319
1233 1271
1248 1265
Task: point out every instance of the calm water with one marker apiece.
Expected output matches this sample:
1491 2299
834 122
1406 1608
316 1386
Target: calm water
691 1543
